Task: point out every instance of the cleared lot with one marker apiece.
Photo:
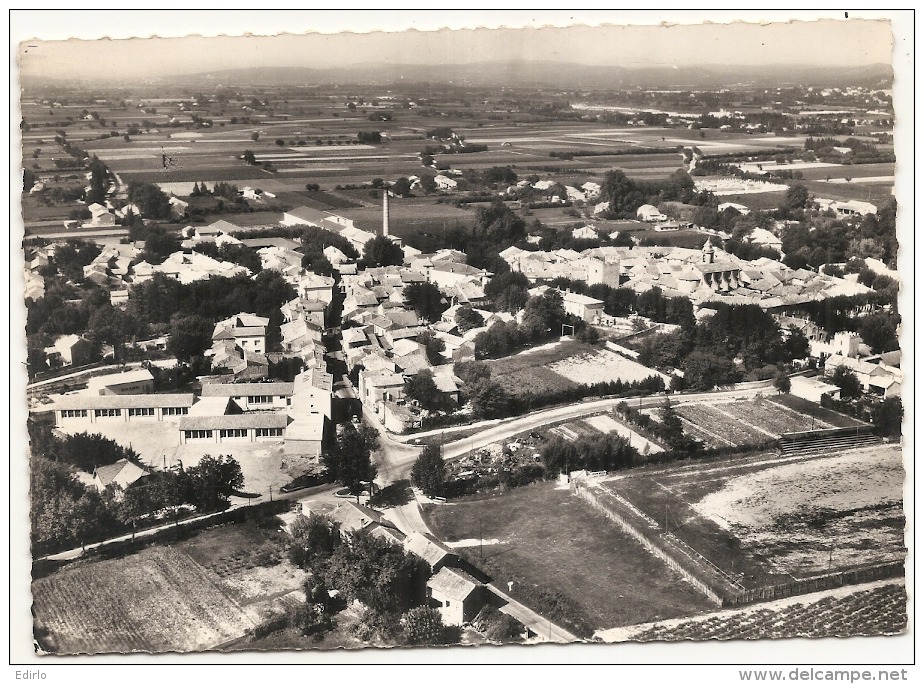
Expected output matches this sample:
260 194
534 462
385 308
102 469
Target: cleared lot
551 539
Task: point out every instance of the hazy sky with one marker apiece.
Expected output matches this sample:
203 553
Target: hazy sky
830 42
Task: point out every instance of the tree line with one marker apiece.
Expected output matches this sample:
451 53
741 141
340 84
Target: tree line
66 513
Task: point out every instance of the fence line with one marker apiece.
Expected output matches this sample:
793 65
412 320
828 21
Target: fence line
737 596
629 529
821 583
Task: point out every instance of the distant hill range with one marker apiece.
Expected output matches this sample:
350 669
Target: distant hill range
543 74
552 74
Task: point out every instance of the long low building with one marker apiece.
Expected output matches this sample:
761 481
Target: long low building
245 427
253 395
82 408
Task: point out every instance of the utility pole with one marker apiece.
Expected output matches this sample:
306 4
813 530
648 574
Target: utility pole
481 543
271 493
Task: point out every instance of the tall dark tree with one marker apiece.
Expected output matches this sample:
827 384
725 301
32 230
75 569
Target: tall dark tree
421 388
704 370
150 199
88 451
109 325
796 345
467 318
489 399
508 291
190 336
847 380
213 480
429 471
434 347
380 574
426 299
314 539
782 383
887 417
349 462
380 251
401 187
497 223
159 244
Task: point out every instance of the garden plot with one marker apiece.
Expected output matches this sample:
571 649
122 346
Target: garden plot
720 430
772 417
808 517
603 366
158 600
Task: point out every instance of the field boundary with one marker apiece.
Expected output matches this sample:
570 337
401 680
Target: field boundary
869 573
733 594
578 489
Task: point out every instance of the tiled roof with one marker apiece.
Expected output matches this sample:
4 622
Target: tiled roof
86 401
453 584
241 389
242 421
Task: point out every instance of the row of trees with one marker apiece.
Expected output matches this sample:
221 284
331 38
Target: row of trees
622 302
610 452
189 310
65 512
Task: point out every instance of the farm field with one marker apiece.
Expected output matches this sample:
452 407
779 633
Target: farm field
865 610
193 595
755 421
603 366
839 510
809 408
551 539
528 372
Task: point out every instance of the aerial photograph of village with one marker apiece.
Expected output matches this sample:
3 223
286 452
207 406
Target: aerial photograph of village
414 340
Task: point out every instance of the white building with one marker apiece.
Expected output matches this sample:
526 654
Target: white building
650 214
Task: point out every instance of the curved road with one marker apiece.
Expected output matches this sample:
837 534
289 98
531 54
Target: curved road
395 458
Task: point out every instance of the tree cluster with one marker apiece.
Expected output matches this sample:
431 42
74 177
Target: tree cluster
380 251
65 512
150 199
611 452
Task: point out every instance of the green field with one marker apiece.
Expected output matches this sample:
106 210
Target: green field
554 540
528 373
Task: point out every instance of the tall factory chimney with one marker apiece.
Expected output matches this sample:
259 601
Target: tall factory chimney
385 213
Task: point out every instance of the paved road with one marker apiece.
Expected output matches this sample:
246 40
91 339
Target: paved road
395 458
544 629
499 432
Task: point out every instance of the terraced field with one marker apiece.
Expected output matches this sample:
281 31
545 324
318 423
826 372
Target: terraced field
870 612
